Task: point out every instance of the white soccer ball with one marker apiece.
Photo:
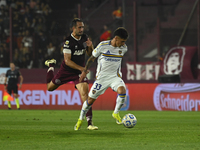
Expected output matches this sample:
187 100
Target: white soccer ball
129 120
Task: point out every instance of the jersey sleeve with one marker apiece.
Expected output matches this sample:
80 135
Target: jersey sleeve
7 73
66 47
97 51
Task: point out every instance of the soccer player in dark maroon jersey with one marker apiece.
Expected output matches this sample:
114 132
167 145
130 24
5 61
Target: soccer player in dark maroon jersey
74 49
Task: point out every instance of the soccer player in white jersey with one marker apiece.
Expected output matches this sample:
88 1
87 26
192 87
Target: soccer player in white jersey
108 73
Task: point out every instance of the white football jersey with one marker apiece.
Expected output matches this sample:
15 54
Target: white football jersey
109 59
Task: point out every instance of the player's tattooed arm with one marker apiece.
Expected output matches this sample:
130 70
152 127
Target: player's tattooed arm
90 47
89 63
85 71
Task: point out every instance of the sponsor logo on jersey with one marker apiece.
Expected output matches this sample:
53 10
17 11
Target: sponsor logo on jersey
79 52
108 52
111 59
67 42
120 52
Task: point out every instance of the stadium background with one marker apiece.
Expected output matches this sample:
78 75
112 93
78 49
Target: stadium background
154 27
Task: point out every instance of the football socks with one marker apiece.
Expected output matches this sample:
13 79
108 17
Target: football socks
50 74
89 116
17 102
84 110
119 102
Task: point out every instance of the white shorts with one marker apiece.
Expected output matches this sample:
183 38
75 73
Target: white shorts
101 85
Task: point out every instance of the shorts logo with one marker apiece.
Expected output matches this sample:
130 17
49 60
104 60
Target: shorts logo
57 81
93 91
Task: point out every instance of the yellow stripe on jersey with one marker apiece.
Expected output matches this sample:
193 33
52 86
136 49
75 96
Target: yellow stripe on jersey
111 55
102 44
118 73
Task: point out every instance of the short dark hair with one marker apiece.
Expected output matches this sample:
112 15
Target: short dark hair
121 32
74 21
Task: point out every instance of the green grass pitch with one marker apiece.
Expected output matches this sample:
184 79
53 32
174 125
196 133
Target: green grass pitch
53 130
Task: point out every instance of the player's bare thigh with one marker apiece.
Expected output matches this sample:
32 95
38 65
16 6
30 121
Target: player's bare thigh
83 90
51 86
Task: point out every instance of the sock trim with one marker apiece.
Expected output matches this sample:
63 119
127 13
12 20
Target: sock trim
50 68
88 103
122 95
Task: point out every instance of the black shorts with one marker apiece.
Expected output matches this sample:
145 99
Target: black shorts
12 88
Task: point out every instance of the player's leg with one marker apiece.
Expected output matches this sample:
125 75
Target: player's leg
15 91
9 91
120 98
119 86
83 90
85 107
50 74
9 105
96 90
17 101
51 86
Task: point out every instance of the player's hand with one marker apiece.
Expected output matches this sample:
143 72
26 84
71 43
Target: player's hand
83 75
20 86
89 43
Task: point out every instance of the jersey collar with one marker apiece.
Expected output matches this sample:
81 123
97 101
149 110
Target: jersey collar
76 38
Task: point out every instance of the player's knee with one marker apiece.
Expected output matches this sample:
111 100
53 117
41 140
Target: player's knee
50 88
15 95
121 90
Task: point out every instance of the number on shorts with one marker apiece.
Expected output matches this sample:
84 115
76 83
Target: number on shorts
98 86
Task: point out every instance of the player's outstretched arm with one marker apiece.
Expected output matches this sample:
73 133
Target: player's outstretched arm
87 66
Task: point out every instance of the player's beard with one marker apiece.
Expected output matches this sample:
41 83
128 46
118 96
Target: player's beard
79 34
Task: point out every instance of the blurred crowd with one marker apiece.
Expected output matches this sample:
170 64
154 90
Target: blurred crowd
36 33
32 22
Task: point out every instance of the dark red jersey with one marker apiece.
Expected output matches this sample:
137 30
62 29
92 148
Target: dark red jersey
78 50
